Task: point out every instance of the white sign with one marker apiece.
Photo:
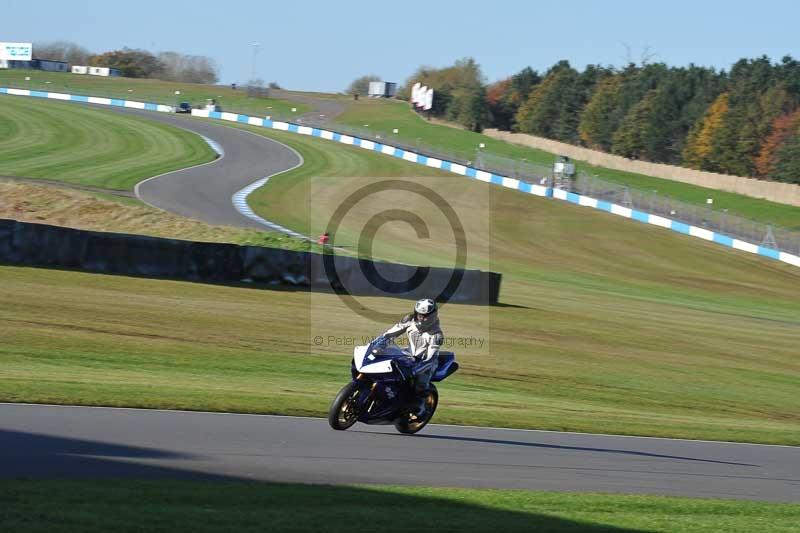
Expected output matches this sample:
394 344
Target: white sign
16 51
415 93
423 91
427 104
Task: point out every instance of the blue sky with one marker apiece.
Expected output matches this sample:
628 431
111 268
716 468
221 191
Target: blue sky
322 45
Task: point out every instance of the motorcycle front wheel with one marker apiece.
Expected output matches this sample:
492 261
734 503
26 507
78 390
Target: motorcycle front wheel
343 412
408 426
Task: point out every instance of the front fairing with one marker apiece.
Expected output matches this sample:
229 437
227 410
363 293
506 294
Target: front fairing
376 359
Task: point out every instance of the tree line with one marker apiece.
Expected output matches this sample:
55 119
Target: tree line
744 121
134 63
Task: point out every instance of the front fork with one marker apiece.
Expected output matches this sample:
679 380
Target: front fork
365 405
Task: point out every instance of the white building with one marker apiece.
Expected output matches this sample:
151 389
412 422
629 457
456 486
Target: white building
382 89
103 71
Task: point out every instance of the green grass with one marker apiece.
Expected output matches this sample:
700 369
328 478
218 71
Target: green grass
86 146
147 90
572 352
137 505
383 115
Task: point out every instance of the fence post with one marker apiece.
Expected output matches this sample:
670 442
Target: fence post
627 201
769 239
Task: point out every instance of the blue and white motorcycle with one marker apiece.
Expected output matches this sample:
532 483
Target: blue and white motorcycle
382 389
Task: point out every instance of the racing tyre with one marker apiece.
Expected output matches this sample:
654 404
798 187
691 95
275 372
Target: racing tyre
408 426
343 412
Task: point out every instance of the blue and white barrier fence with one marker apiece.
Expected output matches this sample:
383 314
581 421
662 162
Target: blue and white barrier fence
449 166
89 99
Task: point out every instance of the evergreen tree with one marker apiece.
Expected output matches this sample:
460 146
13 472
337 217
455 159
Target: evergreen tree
522 83
787 167
600 118
631 137
553 108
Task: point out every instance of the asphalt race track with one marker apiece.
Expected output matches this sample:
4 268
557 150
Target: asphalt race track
85 442
204 192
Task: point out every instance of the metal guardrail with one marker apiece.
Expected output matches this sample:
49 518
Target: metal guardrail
716 220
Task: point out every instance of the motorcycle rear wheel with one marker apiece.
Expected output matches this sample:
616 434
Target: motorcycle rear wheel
407 426
342 413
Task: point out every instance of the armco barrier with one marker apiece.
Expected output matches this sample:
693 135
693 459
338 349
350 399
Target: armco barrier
449 166
23 243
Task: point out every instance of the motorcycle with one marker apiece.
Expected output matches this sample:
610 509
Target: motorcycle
382 389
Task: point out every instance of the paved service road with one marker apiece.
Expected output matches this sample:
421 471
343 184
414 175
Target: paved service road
52 441
204 192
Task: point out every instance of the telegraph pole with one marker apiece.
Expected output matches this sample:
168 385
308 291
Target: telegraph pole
255 54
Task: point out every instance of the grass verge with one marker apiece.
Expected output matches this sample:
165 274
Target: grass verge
137 505
59 206
87 146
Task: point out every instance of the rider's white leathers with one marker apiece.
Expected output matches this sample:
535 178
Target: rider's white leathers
423 345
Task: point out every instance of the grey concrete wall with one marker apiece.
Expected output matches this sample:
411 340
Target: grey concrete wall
24 243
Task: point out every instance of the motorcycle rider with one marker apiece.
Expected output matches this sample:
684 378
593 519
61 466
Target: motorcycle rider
425 337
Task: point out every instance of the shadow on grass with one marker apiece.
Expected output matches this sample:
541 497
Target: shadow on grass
62 484
252 285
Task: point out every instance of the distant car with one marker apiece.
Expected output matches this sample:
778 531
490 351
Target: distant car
184 107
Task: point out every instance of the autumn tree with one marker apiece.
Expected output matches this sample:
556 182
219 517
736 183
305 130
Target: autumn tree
505 97
500 107
697 152
131 63
783 128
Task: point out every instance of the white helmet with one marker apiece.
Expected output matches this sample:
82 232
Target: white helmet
425 312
